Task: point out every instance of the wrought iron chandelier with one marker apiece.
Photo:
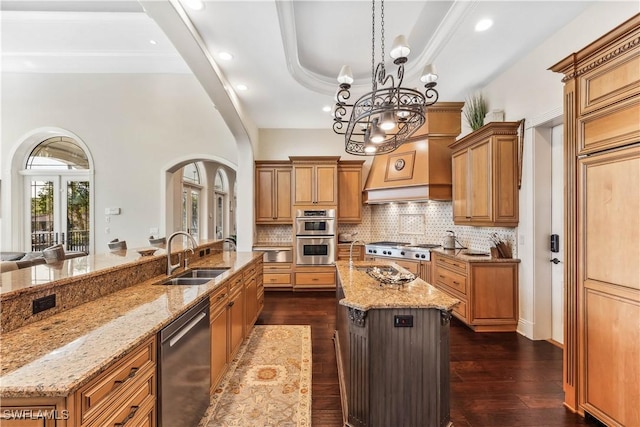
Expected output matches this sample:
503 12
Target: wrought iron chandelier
381 120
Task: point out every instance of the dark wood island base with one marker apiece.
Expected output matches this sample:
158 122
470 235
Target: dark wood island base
392 350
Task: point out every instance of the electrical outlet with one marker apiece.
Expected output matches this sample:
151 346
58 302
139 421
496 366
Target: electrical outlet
44 303
403 321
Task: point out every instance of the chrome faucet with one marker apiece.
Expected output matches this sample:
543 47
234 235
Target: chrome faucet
172 267
351 252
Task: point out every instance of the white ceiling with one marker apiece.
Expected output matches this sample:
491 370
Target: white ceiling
288 53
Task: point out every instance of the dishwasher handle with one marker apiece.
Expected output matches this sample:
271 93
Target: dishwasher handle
185 329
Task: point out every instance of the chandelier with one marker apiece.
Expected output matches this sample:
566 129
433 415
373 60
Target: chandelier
381 120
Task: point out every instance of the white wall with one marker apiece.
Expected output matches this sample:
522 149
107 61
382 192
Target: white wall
133 125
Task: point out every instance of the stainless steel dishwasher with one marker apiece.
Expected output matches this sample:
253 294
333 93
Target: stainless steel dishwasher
185 376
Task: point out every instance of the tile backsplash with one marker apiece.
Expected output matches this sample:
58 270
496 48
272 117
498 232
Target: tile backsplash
415 223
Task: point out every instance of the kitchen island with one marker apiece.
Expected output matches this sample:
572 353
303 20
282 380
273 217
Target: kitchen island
392 347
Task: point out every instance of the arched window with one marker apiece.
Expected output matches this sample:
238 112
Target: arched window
58 195
191 197
221 209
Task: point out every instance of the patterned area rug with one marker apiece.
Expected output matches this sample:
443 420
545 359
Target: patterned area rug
268 383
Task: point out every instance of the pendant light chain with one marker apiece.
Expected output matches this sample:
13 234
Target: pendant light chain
382 32
373 45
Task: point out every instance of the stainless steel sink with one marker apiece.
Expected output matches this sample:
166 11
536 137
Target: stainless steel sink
208 272
186 281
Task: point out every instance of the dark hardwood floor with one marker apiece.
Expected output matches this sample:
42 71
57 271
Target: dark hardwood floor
497 379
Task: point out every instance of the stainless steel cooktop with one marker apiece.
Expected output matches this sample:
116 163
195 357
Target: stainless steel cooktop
400 250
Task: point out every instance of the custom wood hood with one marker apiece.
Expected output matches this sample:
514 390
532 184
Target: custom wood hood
420 169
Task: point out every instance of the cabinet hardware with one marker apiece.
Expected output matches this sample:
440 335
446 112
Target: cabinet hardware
132 373
132 413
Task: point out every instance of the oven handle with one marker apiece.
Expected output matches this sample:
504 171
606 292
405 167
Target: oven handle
315 236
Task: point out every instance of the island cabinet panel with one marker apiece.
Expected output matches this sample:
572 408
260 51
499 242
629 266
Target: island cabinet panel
407 368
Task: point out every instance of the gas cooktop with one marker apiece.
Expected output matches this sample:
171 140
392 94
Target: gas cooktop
400 250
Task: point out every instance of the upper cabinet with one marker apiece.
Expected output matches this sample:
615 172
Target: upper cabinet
485 176
315 180
350 191
273 192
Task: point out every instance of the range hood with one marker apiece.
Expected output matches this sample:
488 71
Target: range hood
419 169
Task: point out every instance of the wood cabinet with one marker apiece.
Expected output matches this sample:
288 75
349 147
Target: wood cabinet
345 248
350 191
315 180
315 278
35 412
236 315
425 271
488 291
273 192
277 275
219 325
601 374
253 289
485 176
125 391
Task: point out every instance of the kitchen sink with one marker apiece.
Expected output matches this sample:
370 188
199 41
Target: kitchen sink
382 268
186 281
207 272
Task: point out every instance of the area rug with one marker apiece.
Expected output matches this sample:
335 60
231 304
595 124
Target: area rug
268 383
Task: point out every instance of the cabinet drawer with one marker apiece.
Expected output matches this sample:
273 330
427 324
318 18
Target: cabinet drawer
133 410
218 297
451 279
277 279
235 282
454 264
269 266
316 279
99 394
249 271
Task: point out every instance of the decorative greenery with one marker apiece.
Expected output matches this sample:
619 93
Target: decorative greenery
475 111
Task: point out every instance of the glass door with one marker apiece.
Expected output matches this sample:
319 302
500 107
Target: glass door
191 210
59 212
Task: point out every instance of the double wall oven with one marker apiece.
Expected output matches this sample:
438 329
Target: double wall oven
315 236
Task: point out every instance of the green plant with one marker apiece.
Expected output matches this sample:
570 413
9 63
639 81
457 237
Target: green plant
475 111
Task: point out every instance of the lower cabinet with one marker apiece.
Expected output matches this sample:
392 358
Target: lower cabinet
254 290
21 412
315 278
218 318
236 320
344 249
425 271
488 291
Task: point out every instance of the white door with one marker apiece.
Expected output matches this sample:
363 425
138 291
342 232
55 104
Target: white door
557 227
59 208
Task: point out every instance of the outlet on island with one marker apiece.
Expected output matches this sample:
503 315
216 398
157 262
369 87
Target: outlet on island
44 303
402 321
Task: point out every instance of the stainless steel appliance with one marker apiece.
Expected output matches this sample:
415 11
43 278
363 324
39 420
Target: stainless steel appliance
400 250
315 222
184 382
275 253
315 250
315 236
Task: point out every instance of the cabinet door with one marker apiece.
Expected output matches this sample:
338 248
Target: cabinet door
29 412
609 285
304 184
219 343
236 322
480 182
460 171
326 185
251 302
425 271
505 175
265 194
350 195
283 195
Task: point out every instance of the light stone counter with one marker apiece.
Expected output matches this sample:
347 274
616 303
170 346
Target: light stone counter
56 355
460 254
365 293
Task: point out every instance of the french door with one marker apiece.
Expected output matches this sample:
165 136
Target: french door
191 210
59 209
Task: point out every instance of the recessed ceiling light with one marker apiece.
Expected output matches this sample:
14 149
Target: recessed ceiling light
241 87
326 108
484 24
194 4
153 42
226 56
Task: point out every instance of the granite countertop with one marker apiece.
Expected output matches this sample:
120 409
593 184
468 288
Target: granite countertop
460 254
56 355
49 275
365 293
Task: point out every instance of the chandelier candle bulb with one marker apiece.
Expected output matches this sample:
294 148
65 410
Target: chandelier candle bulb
429 74
345 76
400 48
